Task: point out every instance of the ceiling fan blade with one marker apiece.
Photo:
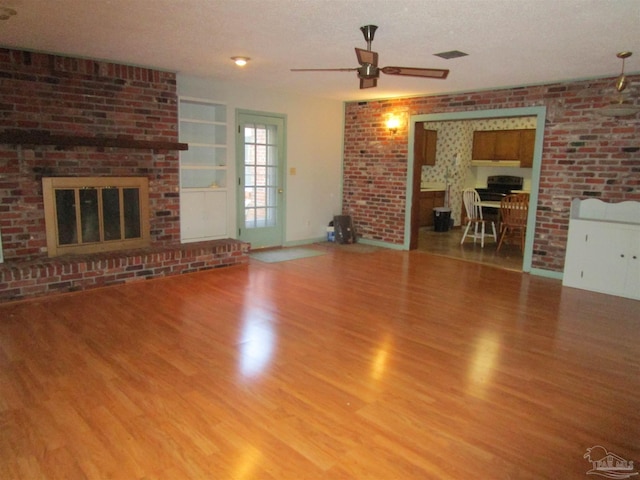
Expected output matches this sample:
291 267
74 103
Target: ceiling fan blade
324 69
416 72
368 82
367 56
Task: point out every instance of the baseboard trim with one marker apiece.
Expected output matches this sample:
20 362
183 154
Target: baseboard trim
546 273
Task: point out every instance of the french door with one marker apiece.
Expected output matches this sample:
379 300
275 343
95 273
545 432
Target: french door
260 166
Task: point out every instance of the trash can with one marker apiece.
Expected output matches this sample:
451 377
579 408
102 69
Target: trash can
441 219
331 234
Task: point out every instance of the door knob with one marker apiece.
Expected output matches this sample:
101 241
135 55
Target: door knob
280 190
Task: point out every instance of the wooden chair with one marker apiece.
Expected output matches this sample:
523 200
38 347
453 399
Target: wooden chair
513 213
472 206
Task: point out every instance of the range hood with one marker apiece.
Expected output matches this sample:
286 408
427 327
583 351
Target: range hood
495 163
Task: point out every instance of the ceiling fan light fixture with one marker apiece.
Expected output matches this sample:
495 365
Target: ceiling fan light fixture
369 71
620 108
368 31
240 61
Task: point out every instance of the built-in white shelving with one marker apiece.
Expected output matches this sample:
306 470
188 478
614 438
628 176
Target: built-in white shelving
203 170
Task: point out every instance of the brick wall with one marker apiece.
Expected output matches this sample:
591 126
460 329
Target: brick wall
48 276
70 96
80 97
584 155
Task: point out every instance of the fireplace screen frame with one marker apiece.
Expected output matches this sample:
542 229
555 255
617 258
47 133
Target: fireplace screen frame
75 188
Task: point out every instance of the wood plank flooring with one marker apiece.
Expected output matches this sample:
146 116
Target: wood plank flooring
447 244
351 365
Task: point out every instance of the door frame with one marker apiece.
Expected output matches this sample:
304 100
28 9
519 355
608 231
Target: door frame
414 180
538 112
239 164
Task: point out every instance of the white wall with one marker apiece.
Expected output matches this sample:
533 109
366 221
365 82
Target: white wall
315 129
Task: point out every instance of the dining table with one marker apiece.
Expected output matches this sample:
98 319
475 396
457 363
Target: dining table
489 204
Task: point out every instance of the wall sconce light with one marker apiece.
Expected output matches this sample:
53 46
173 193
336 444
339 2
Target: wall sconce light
393 124
240 61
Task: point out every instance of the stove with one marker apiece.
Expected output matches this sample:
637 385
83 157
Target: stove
499 186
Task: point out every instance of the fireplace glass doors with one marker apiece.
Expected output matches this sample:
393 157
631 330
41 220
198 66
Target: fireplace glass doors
95 214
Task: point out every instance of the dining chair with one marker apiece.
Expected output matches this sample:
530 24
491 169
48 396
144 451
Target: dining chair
514 209
471 200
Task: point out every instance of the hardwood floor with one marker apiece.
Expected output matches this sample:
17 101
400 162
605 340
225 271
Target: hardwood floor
447 244
363 364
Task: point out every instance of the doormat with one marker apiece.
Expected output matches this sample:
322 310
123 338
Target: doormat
349 247
284 254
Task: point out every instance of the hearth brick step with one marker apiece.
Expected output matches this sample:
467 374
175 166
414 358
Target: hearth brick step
46 276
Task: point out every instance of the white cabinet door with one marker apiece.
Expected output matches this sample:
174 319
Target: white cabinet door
603 257
632 252
203 215
577 252
605 267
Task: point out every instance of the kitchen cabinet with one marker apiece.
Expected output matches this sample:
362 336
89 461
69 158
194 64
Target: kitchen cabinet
504 145
425 145
527 144
603 248
428 201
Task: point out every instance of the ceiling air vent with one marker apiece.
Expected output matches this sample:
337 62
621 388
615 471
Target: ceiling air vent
451 54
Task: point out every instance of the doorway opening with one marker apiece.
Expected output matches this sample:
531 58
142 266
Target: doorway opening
451 164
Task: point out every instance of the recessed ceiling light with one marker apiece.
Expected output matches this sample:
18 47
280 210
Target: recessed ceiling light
240 61
451 54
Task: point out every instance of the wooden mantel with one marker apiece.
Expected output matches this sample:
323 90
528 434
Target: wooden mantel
25 137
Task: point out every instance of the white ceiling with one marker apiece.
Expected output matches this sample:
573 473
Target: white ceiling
509 42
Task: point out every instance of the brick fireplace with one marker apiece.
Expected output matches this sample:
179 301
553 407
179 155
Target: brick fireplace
69 117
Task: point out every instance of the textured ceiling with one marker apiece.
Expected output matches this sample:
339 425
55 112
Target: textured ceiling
509 42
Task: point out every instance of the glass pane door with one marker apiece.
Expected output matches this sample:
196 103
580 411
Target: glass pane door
261 180
261 175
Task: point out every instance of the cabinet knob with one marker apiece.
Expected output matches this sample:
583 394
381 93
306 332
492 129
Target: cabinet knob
622 255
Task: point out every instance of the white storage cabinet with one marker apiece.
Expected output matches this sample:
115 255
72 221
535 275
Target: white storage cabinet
603 248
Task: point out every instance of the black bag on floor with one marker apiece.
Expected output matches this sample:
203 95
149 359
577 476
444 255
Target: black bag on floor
343 228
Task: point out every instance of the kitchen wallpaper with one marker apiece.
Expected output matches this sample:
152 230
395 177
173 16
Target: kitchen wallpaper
453 157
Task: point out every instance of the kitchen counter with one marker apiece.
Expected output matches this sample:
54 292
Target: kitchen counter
433 187
430 198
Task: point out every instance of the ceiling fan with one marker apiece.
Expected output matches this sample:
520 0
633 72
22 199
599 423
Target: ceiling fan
369 72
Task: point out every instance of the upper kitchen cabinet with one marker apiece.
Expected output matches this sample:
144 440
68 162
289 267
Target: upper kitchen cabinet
527 143
425 145
512 146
